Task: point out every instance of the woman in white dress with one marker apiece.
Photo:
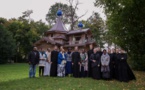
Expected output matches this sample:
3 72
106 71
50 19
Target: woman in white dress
42 61
84 63
47 63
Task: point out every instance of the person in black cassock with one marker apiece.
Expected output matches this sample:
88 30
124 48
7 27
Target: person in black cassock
125 74
99 51
54 57
112 63
96 62
76 62
89 61
116 63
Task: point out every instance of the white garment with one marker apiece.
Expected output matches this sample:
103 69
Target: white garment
47 69
42 62
61 67
63 55
105 59
47 65
60 70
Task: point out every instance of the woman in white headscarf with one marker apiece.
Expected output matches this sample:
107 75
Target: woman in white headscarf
42 60
105 59
84 63
47 63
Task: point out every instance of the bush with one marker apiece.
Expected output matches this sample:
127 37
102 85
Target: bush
138 62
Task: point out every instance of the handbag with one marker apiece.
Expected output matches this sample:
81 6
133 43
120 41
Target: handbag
63 62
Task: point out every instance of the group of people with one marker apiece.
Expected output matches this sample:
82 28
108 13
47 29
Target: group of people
106 64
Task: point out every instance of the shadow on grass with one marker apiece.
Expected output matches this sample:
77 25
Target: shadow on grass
67 83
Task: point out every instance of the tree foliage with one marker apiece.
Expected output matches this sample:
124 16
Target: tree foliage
70 16
51 15
126 25
7 43
96 24
24 32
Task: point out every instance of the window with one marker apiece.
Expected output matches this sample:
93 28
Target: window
78 38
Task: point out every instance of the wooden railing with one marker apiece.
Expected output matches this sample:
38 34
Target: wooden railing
80 42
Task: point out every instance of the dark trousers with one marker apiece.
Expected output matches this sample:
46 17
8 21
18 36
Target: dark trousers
89 69
41 70
83 73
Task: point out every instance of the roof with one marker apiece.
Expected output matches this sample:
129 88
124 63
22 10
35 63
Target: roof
48 40
58 26
78 31
45 39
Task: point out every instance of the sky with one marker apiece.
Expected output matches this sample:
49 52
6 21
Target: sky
14 8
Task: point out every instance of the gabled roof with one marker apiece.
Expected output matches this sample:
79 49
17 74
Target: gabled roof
48 40
78 31
45 39
58 26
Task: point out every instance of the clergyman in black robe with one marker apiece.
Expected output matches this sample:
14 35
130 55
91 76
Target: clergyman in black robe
89 61
76 62
96 62
54 58
125 74
112 63
99 51
117 55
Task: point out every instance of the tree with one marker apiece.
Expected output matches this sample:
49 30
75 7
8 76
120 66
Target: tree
69 13
7 44
96 24
25 33
73 16
27 14
3 21
126 24
18 36
51 15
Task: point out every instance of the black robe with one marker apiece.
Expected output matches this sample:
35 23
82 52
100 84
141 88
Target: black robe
117 55
96 71
76 60
54 57
125 74
112 65
100 53
89 63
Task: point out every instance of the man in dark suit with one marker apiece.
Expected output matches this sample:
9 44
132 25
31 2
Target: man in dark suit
33 59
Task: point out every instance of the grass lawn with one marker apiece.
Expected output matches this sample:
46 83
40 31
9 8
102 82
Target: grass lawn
15 77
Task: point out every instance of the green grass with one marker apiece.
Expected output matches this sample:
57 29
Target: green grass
15 77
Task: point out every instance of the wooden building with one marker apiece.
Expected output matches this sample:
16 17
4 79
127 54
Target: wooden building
60 36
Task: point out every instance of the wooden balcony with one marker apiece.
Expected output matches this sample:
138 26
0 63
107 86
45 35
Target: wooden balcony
80 43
